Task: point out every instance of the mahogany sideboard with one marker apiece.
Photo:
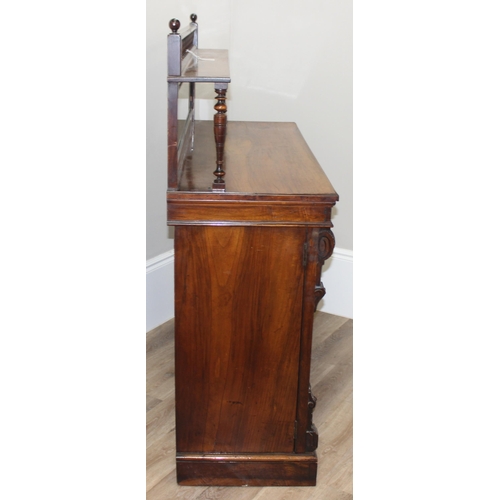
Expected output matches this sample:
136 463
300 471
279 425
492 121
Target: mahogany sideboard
248 256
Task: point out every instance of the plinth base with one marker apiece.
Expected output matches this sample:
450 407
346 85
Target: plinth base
247 470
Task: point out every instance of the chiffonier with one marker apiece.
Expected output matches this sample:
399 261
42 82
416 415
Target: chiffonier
251 209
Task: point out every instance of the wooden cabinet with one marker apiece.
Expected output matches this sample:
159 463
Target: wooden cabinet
247 281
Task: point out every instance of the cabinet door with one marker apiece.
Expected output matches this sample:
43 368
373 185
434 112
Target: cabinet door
238 307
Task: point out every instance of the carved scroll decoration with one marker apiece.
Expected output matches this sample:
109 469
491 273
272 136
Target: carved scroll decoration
326 244
319 293
312 432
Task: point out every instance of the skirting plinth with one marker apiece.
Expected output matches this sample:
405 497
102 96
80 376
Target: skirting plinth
247 470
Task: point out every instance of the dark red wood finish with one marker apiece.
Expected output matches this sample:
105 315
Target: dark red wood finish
249 247
256 470
247 282
238 329
187 64
220 123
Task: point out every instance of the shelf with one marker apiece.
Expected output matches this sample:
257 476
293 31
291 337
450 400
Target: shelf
271 177
261 158
205 70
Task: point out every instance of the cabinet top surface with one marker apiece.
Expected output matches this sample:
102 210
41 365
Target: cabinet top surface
212 65
261 158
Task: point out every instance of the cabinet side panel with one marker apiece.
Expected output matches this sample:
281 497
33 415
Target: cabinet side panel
238 321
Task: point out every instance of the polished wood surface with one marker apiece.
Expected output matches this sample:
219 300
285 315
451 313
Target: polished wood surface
238 311
260 188
244 303
247 282
246 473
233 212
188 64
331 380
260 158
220 127
249 247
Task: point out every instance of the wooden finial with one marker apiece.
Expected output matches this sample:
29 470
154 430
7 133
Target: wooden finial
174 24
193 18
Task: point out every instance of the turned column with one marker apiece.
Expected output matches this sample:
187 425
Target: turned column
220 122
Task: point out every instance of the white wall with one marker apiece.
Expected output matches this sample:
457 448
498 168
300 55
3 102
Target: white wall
292 61
157 240
289 61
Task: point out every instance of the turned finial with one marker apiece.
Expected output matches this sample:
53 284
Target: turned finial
174 24
193 18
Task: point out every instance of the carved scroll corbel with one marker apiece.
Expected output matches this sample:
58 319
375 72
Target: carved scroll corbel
319 293
326 244
311 432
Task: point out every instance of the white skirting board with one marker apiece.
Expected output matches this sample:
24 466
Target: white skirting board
336 277
159 289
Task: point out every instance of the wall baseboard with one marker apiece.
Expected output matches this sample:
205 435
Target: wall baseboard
337 279
159 289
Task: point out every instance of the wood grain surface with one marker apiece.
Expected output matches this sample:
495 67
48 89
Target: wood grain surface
331 379
260 158
238 317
